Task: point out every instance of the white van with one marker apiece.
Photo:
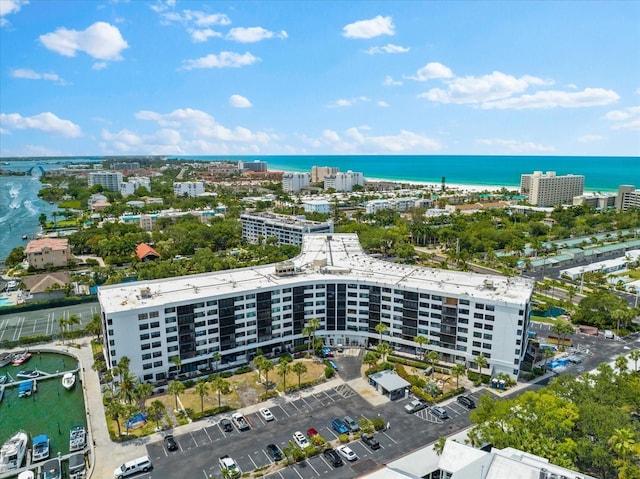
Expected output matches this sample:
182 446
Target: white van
141 464
608 334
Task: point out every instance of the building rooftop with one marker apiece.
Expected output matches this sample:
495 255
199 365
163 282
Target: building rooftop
38 245
324 257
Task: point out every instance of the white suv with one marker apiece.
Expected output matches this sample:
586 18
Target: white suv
300 440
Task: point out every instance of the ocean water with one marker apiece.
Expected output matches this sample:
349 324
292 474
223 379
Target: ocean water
20 206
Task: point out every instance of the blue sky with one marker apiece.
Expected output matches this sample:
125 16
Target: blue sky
172 77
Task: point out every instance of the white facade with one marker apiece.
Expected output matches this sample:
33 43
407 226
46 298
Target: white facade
110 180
234 312
600 201
256 165
343 181
188 188
319 172
287 229
292 182
628 197
547 189
373 206
129 187
317 206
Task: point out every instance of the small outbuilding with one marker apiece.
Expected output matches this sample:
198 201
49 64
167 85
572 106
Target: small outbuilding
144 252
389 384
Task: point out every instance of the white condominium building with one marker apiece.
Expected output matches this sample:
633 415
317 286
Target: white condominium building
188 188
287 229
319 172
547 189
130 186
292 182
343 181
317 206
255 165
110 180
628 197
235 312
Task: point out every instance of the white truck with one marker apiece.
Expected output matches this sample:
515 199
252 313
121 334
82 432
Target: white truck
229 468
240 421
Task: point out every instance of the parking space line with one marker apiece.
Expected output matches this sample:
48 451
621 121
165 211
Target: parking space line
328 395
332 433
311 466
205 474
194 439
267 456
179 445
294 405
205 431
392 439
255 466
284 411
296 471
304 401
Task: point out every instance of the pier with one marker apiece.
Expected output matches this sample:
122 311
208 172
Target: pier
42 375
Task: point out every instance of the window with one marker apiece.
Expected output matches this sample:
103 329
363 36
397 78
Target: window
144 337
153 314
157 364
479 306
464 301
156 344
212 302
157 354
170 320
487 336
143 326
155 334
147 366
478 315
172 309
486 345
489 317
477 325
155 324
143 316
488 327
145 346
490 307
146 356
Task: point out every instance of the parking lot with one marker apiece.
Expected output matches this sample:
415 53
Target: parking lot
198 451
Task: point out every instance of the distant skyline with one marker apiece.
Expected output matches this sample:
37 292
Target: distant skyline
171 77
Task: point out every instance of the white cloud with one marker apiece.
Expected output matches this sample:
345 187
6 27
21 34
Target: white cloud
626 119
4 132
194 17
47 122
99 66
101 40
369 28
28 74
383 104
239 101
388 48
389 81
402 142
253 34
343 102
331 136
8 7
432 71
590 138
203 35
515 146
222 60
473 90
557 99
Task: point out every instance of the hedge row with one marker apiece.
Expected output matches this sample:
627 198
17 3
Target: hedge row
210 412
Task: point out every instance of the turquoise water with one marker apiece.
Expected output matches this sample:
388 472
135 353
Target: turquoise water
52 410
558 363
5 302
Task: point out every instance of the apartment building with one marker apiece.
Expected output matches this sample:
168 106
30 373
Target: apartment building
319 172
292 182
287 229
110 180
628 197
548 189
317 206
130 186
235 312
257 165
188 188
599 201
344 181
48 252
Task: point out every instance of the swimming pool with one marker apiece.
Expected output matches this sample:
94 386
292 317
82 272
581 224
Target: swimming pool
558 363
6 302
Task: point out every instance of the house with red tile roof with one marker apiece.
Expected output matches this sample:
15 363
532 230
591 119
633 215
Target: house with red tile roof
144 252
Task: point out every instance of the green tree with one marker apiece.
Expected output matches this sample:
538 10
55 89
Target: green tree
433 357
284 368
421 341
438 446
216 359
381 328
635 356
481 362
156 410
15 257
73 319
622 363
623 443
176 388
62 323
220 386
299 368
370 359
562 329
115 411
457 371
202 388
177 362
141 393
266 365
310 330
384 349
94 326
127 386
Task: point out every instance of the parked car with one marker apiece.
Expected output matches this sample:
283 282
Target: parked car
333 457
440 412
266 414
340 426
575 359
370 440
415 406
608 334
466 401
274 451
327 353
170 443
352 424
300 440
226 425
311 432
347 453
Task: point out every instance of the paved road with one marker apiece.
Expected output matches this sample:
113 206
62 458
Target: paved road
44 321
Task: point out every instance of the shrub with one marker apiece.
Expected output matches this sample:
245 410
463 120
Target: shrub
328 372
210 412
243 369
378 423
318 440
268 395
226 374
189 383
366 425
298 454
473 376
343 438
311 451
407 362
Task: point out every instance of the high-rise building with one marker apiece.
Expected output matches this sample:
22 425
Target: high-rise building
343 181
287 229
236 312
628 197
256 165
548 189
110 180
292 182
319 172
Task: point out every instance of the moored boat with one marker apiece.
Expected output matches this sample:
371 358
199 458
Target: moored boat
13 451
30 374
68 380
77 466
40 448
52 469
21 358
25 389
26 475
3 379
5 358
77 438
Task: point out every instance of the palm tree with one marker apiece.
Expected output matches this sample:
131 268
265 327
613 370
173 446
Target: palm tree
310 330
216 359
94 326
383 350
73 319
457 371
142 392
176 388
284 368
622 363
433 357
220 386
421 341
115 410
623 442
561 329
265 366
381 328
438 446
481 362
202 388
299 368
177 363
127 386
156 411
370 359
62 322
635 356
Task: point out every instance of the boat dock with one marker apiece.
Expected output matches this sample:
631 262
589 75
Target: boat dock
42 375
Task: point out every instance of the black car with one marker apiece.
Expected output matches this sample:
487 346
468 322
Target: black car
275 452
226 425
170 443
370 441
332 456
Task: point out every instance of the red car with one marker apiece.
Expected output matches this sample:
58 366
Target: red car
311 432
